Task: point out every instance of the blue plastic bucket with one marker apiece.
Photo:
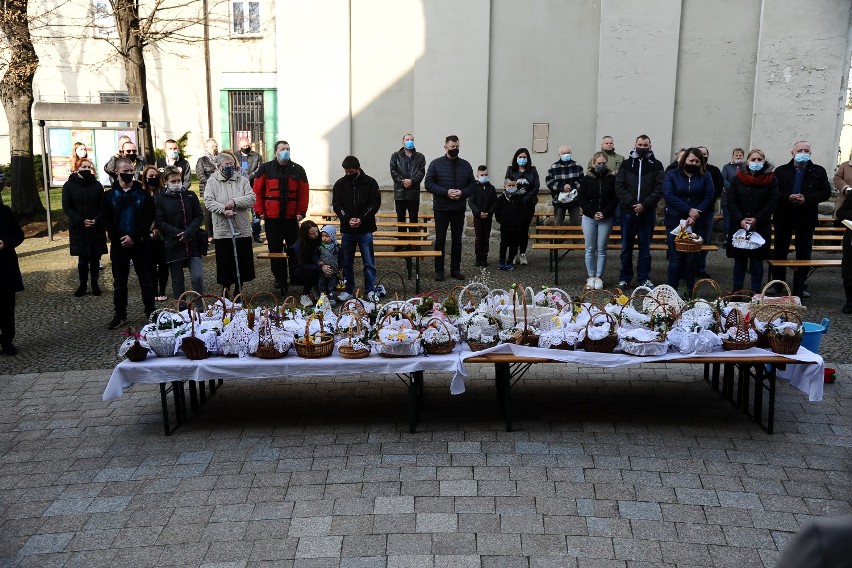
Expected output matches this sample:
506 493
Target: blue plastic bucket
813 334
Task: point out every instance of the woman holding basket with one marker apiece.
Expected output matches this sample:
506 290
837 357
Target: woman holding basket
752 198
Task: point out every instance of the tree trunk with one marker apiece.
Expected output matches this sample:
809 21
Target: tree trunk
127 22
16 94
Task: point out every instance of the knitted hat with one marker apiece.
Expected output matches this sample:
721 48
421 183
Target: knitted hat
331 230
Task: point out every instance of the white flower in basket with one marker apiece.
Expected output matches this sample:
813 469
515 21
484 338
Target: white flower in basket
697 318
437 334
282 339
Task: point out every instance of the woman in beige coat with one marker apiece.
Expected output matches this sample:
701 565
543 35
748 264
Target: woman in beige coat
228 196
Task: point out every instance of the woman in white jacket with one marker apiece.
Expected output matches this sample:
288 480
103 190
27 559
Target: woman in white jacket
228 195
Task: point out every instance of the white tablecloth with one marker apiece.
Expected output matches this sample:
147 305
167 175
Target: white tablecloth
807 378
154 370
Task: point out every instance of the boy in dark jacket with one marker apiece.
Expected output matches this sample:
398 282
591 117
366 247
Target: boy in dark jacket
481 204
509 211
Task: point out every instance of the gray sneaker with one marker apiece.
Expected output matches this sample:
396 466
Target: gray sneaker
648 284
343 296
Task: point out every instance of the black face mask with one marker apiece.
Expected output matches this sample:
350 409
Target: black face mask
642 152
127 178
454 153
152 182
601 168
87 175
245 151
691 168
130 155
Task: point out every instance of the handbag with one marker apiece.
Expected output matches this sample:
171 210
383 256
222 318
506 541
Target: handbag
201 241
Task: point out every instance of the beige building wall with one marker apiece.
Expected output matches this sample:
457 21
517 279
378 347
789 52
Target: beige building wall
352 76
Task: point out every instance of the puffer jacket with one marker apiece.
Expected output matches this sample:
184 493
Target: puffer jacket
597 193
402 169
179 212
357 198
282 190
683 193
444 174
217 194
639 180
82 200
127 213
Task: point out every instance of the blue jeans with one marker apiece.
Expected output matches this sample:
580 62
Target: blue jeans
196 275
596 234
347 260
740 264
635 227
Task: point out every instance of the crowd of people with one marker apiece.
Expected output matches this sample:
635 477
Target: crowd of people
153 222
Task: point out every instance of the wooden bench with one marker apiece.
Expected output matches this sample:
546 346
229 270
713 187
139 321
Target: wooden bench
412 257
810 266
557 249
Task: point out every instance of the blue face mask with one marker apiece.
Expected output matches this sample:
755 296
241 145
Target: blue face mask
802 157
755 166
227 172
483 179
173 154
284 155
565 157
511 190
522 162
409 144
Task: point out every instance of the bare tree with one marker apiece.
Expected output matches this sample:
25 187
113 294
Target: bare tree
16 94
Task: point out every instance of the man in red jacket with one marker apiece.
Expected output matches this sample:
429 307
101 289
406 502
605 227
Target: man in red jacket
281 187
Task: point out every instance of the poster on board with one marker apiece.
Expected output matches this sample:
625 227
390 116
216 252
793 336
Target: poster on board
100 145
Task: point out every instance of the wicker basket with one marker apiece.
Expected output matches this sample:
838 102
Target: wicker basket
742 338
193 347
266 346
162 344
306 348
444 347
479 345
762 306
135 352
396 350
608 343
717 290
785 344
346 350
688 246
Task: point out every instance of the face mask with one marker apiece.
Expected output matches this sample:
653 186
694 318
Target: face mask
522 162
350 177
738 160
755 166
246 150
600 168
130 155
127 177
511 190
691 168
642 152
802 157
284 155
87 175
227 171
174 187
173 154
565 157
81 152
409 144
152 182
483 179
454 153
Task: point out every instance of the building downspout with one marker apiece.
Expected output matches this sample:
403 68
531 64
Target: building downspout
207 70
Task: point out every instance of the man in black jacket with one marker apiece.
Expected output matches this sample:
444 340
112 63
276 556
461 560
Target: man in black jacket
407 169
450 181
802 186
127 215
356 200
173 158
639 187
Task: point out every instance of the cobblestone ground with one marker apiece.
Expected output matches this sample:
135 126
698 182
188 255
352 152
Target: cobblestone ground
644 466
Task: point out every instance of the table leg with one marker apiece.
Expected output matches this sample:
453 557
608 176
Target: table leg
164 400
556 268
770 415
418 381
180 401
193 397
502 373
202 392
416 275
757 413
413 403
742 387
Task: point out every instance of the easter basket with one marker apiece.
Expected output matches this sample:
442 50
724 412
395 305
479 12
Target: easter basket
606 343
354 346
314 346
397 336
163 339
762 306
784 332
438 341
193 347
737 334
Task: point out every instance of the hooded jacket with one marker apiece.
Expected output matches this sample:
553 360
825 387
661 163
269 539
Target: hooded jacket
639 180
357 198
329 253
402 168
179 212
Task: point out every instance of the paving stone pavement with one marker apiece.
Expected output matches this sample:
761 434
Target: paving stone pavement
644 466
